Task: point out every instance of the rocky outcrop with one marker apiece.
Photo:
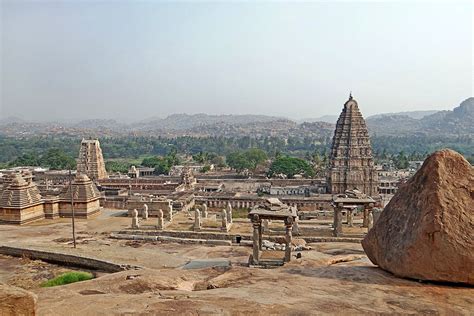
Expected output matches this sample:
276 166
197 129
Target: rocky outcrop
426 231
16 301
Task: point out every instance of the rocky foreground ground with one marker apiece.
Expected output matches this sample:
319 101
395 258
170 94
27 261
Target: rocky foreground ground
333 278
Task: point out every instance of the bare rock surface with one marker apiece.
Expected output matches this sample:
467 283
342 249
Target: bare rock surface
16 301
426 231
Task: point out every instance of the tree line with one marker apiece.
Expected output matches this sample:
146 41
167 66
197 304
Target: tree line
244 153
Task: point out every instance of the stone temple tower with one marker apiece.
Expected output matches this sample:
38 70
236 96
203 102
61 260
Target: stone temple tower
91 161
352 164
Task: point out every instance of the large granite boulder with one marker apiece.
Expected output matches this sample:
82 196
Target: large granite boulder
16 301
426 231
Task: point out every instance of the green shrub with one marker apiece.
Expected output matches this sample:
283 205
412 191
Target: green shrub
69 277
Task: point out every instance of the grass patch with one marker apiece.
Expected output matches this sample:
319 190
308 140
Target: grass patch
69 277
240 213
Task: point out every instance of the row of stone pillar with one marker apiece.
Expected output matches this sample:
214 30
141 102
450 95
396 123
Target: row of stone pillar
236 204
226 217
368 220
160 221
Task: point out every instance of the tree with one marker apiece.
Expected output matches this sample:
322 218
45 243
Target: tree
249 159
218 161
56 159
256 157
205 168
25 160
401 161
238 161
117 166
290 167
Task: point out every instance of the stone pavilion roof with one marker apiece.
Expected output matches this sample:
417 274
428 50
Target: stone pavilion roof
83 189
273 208
20 194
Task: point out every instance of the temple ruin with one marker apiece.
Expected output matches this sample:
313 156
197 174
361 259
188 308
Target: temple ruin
352 164
90 161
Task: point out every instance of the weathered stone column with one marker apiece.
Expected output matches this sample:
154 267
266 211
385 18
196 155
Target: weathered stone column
197 220
145 212
288 237
365 221
161 224
296 227
204 210
224 220
229 215
350 218
256 237
367 209
337 230
265 226
170 214
260 236
135 223
370 221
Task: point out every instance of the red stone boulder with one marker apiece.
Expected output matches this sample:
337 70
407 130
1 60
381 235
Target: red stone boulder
426 231
15 301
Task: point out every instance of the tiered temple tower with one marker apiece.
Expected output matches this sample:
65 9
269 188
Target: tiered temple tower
352 164
91 161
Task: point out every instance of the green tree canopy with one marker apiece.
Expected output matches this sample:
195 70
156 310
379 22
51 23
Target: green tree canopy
290 166
248 159
57 159
162 165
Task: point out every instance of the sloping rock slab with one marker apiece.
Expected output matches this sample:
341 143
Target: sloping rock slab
426 231
16 301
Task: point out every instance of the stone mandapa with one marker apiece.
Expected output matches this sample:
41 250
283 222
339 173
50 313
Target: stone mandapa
426 231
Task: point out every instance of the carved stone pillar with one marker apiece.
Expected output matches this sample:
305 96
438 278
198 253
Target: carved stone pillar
365 221
197 220
224 220
288 237
265 226
370 221
170 213
160 225
256 239
338 220
367 209
350 218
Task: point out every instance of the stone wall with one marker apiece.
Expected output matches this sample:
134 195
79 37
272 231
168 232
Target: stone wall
23 216
63 259
51 208
81 209
116 202
227 236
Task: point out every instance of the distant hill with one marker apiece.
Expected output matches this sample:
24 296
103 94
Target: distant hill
459 121
411 114
326 118
178 122
100 124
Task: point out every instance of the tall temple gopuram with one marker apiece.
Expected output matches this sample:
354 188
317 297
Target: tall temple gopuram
91 161
352 164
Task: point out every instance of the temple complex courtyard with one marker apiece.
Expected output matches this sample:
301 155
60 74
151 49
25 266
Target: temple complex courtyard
181 278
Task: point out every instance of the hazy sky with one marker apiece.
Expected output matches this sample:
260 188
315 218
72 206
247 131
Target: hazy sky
134 59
